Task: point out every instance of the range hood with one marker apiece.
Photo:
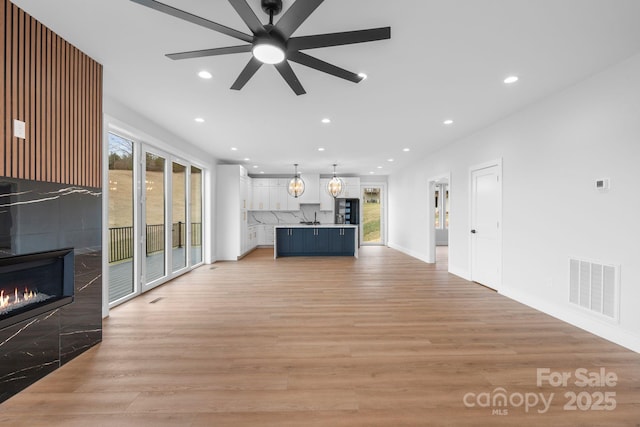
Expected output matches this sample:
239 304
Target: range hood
311 193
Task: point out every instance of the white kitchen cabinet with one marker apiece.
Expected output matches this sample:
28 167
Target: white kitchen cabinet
232 199
352 188
260 196
265 235
278 198
326 199
251 238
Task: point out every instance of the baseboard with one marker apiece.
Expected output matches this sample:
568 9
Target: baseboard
409 252
604 330
464 274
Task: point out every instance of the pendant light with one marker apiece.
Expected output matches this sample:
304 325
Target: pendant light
296 185
335 185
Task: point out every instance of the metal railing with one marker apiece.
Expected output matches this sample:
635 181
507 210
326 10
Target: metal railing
121 239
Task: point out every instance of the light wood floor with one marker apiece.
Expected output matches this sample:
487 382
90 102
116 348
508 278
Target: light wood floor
385 340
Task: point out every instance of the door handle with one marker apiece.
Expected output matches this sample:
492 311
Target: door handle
473 231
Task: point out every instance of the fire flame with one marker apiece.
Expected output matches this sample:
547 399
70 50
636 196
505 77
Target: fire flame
6 301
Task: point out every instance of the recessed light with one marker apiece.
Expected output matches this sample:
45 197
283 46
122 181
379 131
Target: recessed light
204 74
379 167
320 149
234 149
199 119
261 171
371 172
510 80
389 160
255 166
406 150
246 159
326 120
363 76
448 122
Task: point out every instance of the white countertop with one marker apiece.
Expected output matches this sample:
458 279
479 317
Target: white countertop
316 226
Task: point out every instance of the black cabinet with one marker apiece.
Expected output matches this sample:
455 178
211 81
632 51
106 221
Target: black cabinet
291 241
315 241
342 241
283 241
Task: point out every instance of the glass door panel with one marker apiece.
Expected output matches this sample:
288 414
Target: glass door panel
372 215
121 240
196 215
179 216
154 218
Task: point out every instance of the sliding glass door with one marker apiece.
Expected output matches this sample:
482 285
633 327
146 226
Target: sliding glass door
155 218
121 218
178 217
155 204
195 206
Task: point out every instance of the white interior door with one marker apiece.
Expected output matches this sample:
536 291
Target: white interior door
486 208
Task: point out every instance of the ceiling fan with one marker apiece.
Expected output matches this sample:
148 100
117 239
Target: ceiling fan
273 44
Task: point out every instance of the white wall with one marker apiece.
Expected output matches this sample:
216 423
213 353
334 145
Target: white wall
552 153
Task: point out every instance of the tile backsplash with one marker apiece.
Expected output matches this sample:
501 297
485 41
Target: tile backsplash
306 213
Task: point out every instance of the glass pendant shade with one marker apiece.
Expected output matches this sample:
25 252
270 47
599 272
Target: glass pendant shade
296 185
335 186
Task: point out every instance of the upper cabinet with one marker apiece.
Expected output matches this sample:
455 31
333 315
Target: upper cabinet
260 199
352 188
326 199
270 194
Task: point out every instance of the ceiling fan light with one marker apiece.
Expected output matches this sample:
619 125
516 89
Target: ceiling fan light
268 53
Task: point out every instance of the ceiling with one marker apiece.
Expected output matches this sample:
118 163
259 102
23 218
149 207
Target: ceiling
446 59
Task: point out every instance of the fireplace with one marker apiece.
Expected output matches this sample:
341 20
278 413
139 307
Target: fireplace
34 284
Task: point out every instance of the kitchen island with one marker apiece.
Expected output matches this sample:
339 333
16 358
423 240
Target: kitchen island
315 240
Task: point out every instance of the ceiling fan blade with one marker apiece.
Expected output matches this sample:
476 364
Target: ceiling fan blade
339 39
325 67
297 13
246 74
290 77
169 10
247 15
210 52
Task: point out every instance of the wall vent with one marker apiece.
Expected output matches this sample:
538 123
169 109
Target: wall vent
594 286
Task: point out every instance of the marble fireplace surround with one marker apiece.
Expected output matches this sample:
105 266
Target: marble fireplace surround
35 217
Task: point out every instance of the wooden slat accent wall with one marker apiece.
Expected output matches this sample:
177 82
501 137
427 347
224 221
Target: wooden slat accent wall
57 90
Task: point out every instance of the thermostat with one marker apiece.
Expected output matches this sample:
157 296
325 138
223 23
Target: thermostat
602 184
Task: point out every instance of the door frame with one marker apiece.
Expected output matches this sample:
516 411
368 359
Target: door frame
431 214
144 149
492 163
383 212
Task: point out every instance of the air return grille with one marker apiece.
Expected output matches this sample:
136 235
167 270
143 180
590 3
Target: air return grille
594 287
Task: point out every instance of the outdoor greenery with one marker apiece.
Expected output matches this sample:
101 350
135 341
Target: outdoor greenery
371 222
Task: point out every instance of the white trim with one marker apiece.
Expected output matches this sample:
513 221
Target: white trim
489 164
385 213
417 255
463 274
431 212
578 318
